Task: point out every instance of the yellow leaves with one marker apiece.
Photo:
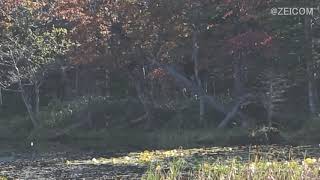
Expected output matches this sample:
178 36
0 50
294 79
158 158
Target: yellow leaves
59 31
292 164
310 161
114 161
33 5
104 29
268 164
171 153
146 156
158 168
94 160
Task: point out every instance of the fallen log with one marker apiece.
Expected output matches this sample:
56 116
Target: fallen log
139 119
184 82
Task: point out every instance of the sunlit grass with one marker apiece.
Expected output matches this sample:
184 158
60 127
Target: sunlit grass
236 170
253 162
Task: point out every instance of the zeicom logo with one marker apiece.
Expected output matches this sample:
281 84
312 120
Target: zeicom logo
293 11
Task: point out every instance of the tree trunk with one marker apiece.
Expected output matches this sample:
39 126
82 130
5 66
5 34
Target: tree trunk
238 84
37 99
308 58
107 83
25 99
202 109
233 112
229 116
270 107
1 100
63 84
29 107
77 80
214 87
311 97
205 85
143 97
195 59
269 118
146 104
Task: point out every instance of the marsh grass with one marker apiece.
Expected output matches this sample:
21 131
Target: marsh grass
221 163
236 170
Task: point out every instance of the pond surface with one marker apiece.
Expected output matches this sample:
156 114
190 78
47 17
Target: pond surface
31 164
20 161
53 166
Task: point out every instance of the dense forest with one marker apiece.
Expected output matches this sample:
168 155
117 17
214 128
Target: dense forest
146 74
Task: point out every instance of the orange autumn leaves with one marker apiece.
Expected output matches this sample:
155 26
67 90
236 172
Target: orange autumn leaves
87 21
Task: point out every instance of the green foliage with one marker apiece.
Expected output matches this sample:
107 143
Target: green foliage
42 44
58 114
27 48
103 110
267 135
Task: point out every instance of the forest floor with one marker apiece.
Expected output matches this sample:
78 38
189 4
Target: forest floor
75 164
